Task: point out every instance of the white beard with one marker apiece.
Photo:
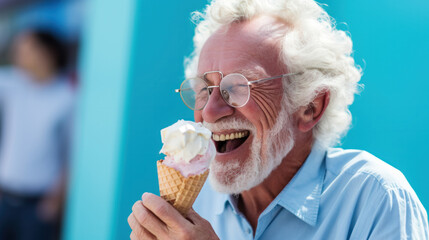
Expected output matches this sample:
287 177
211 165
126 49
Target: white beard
233 177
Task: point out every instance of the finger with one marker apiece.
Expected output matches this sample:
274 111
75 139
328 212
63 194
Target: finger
138 232
201 225
148 220
193 216
163 210
196 219
134 236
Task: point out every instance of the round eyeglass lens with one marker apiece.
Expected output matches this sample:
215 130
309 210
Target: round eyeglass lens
194 93
235 90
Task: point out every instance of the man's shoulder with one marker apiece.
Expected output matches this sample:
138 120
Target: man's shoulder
383 201
64 91
360 165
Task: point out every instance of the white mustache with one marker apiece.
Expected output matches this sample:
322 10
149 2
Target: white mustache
228 124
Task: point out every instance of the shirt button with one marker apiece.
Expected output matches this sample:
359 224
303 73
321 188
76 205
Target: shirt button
249 231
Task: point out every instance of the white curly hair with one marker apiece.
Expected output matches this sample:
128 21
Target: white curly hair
311 45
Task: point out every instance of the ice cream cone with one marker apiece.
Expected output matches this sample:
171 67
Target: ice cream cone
181 192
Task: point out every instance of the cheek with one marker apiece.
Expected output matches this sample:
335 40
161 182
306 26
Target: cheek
268 99
198 116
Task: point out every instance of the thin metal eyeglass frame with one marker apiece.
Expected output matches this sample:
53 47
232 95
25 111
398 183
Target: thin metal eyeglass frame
249 83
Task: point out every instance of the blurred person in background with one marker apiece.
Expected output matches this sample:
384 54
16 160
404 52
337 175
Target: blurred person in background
36 104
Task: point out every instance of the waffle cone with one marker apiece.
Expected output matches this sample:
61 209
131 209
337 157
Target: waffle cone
179 191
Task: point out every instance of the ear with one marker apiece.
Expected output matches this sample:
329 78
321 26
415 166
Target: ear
308 116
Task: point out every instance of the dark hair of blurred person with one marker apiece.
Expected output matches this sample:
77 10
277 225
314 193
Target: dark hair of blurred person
36 105
40 53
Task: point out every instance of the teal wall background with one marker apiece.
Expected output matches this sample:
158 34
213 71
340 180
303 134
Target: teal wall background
132 61
97 162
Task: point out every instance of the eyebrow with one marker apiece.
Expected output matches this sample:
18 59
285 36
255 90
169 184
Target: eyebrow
200 76
208 81
248 73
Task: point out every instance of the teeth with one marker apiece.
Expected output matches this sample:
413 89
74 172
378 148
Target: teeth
215 137
231 136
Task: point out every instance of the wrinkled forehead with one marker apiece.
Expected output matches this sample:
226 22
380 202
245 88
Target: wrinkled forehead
244 46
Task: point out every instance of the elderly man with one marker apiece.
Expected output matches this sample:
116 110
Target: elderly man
283 76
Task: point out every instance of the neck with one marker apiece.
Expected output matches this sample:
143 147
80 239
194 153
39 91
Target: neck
254 201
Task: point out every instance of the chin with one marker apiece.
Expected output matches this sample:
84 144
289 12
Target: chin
236 175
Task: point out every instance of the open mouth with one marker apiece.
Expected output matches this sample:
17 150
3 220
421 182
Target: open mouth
227 142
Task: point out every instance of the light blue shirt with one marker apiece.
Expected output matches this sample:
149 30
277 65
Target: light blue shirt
336 194
35 131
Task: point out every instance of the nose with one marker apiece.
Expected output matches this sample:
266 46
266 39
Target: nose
216 108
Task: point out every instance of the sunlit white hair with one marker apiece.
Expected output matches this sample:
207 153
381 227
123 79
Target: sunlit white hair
312 45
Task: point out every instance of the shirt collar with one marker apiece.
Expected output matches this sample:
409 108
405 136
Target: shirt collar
223 201
220 204
301 196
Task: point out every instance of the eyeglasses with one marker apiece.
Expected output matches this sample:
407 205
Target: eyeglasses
234 89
